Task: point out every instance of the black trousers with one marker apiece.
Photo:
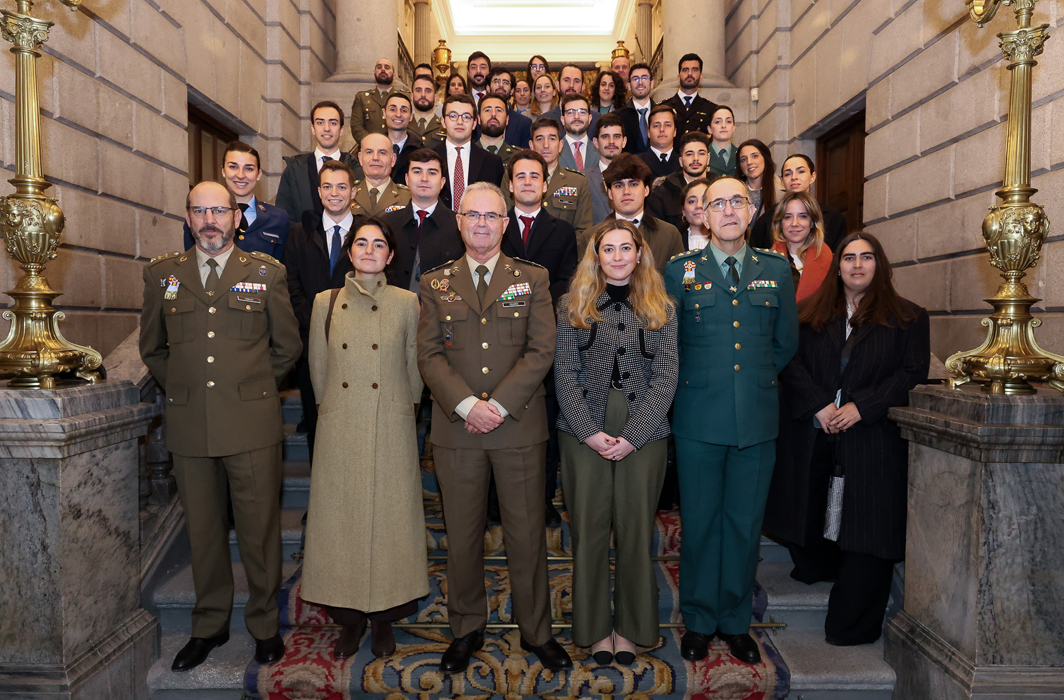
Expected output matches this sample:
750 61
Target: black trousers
350 616
862 581
310 407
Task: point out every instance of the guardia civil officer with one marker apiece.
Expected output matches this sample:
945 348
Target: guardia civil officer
738 330
218 332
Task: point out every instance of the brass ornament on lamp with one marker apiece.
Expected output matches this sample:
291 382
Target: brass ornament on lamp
620 51
34 351
1014 230
441 59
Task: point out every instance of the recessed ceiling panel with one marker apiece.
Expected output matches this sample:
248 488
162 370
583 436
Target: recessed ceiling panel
517 17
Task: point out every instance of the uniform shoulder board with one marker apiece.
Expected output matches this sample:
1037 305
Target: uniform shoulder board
265 256
684 254
164 256
574 171
529 262
770 251
438 267
402 187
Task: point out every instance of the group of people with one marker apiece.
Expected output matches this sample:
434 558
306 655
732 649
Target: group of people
653 299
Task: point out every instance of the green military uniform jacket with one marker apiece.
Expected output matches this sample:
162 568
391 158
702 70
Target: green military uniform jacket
568 198
734 342
219 358
367 114
504 151
393 197
432 134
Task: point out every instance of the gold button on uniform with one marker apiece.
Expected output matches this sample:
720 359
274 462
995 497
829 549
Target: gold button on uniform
210 358
213 310
448 318
738 347
484 345
736 368
736 324
210 385
484 370
516 314
483 321
696 306
248 307
210 334
734 302
484 395
173 310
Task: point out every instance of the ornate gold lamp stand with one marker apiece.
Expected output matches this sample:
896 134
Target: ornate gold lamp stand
441 58
1010 358
34 351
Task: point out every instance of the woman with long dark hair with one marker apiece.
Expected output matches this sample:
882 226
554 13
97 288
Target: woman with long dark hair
757 169
537 66
862 348
607 92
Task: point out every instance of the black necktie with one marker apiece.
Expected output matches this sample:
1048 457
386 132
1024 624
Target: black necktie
325 159
395 148
243 219
734 270
664 158
334 253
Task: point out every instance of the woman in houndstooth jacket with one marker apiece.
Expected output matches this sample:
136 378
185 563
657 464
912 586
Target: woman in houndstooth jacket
615 370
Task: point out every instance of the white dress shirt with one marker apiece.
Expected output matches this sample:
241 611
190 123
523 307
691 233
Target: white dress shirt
205 269
345 229
451 153
658 154
466 405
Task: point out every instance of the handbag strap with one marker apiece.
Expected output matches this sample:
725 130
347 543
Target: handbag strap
328 318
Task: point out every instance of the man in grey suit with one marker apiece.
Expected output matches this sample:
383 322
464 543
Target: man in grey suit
609 142
298 191
577 150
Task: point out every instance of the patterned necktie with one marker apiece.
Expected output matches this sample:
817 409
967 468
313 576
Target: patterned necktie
458 186
334 250
526 223
734 271
482 285
579 158
643 123
243 219
212 277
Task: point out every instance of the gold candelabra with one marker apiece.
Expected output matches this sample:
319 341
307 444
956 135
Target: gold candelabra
35 351
1015 229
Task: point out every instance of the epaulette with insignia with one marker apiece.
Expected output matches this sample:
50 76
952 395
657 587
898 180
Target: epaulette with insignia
769 250
438 267
164 256
533 264
357 183
265 256
402 187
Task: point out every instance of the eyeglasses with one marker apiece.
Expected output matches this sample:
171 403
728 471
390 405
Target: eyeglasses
501 81
639 78
736 202
465 118
200 212
475 216
538 66
575 112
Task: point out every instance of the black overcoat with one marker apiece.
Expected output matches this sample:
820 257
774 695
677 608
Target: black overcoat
885 364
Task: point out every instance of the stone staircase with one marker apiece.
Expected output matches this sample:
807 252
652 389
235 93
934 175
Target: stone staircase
818 670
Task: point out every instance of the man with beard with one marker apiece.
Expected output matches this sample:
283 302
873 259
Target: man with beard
493 121
466 162
397 111
477 71
423 122
298 190
570 82
609 142
218 332
577 151
666 200
367 111
693 112
662 157
518 126
377 194
636 114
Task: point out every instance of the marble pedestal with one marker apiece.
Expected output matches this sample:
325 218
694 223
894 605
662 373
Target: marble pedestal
984 563
71 625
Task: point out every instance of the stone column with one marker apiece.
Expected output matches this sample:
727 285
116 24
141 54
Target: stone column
72 627
422 32
693 27
365 31
983 615
644 30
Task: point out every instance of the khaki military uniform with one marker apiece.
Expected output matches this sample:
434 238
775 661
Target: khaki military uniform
568 198
503 150
367 113
393 197
432 133
220 356
502 351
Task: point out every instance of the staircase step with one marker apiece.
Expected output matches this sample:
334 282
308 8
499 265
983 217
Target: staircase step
820 671
291 406
295 492
175 599
773 551
295 447
291 533
220 677
799 605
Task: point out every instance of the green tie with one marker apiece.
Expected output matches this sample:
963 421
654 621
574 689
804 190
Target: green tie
212 277
731 261
373 198
493 149
482 285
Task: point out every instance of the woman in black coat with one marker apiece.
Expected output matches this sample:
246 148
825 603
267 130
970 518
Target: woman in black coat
830 414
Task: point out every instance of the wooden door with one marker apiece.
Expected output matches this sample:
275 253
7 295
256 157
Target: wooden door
840 170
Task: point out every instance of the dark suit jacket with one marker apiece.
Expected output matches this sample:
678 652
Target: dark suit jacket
266 234
630 117
551 243
518 130
402 164
834 228
306 257
666 203
298 190
657 167
885 364
483 167
441 242
695 119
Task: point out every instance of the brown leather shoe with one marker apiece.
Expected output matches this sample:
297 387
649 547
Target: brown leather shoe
383 639
350 637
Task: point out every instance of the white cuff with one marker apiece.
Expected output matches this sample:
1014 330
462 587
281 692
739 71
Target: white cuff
466 405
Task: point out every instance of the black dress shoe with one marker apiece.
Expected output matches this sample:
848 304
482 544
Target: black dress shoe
268 651
195 652
349 639
742 646
694 646
553 517
551 654
383 643
458 654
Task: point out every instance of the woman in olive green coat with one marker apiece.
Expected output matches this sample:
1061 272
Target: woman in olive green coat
365 555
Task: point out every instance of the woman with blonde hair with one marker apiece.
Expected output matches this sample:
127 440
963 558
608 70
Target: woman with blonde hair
798 234
615 370
544 94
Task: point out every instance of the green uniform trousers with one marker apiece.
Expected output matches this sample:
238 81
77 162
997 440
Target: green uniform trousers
723 490
254 480
600 493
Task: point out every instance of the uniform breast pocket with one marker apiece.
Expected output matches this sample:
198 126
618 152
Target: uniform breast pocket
454 325
767 305
564 204
696 314
247 318
513 320
178 316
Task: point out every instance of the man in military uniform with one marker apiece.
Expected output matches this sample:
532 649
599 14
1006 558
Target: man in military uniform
693 112
377 194
738 329
568 192
485 342
218 332
367 111
494 117
424 122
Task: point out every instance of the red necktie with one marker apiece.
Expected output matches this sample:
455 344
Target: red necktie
459 177
421 214
526 221
579 158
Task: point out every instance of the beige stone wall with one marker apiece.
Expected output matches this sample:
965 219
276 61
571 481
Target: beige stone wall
935 92
115 84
